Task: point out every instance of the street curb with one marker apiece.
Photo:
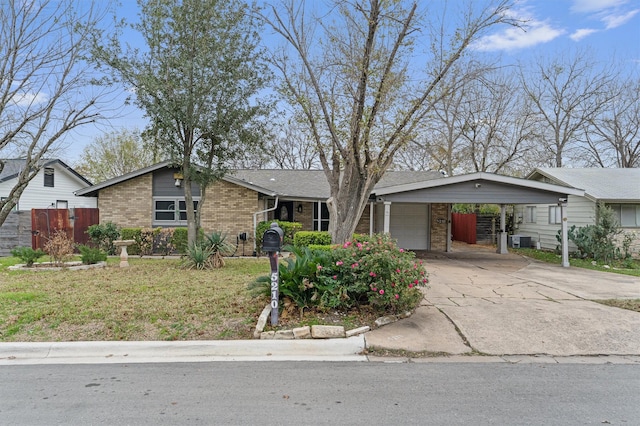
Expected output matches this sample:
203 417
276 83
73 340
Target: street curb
100 352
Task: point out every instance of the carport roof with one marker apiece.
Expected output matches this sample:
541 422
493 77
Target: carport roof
478 187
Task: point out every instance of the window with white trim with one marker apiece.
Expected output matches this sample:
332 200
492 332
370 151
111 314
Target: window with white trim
320 216
628 215
530 214
170 211
48 177
555 215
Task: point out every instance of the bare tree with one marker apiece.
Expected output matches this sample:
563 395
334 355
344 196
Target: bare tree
613 136
353 77
292 149
440 132
498 124
567 91
45 88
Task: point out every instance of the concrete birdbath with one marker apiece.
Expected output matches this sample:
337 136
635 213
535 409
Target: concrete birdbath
124 256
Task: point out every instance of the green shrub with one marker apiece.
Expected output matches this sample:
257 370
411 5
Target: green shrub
27 254
289 229
597 241
308 238
374 273
91 255
297 276
180 240
320 247
131 234
103 236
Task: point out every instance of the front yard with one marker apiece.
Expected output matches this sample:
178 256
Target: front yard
150 300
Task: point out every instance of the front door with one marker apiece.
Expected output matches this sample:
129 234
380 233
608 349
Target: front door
284 211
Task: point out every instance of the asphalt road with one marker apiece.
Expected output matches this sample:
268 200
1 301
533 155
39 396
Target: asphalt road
336 393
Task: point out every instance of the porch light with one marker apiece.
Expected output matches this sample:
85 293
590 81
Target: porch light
299 208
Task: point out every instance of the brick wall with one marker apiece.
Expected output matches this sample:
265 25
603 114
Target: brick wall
439 230
229 208
306 217
128 204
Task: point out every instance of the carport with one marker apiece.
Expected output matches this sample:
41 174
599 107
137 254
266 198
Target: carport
475 188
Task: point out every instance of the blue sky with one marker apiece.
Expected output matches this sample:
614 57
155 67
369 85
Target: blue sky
608 29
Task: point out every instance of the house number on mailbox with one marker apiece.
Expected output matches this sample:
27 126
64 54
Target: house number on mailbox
274 290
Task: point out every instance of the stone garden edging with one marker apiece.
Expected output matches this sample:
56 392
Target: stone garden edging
316 331
49 266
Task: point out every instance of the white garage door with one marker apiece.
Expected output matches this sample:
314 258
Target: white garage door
409 225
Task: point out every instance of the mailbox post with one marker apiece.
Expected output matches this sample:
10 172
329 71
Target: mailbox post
272 244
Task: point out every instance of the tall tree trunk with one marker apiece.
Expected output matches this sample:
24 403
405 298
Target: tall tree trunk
347 203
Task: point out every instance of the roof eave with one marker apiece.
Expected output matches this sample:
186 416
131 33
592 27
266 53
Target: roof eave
480 176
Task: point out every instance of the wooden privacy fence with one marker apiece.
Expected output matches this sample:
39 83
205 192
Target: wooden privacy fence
463 227
74 222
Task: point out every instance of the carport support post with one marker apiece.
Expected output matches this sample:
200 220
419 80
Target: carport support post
502 241
387 217
565 234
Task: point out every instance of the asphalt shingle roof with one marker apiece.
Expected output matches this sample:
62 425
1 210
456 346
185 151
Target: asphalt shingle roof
598 183
313 183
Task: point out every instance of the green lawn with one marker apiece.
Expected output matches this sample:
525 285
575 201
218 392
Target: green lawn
150 300
628 268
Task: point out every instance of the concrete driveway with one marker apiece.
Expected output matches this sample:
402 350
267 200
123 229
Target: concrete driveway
493 304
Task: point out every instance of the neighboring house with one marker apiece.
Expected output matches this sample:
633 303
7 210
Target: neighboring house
414 207
52 188
617 188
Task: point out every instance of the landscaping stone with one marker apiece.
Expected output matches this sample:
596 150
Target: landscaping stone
283 335
327 331
357 331
302 332
385 320
262 321
267 335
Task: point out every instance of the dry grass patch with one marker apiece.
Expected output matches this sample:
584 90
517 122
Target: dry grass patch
630 304
150 300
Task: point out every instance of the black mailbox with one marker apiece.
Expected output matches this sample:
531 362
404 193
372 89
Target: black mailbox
272 238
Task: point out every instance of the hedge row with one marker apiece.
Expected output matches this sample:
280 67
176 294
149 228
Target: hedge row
155 240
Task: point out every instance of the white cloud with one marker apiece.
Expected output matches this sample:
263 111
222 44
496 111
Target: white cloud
27 99
590 6
614 20
582 33
534 33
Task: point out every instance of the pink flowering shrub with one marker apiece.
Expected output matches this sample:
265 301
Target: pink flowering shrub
374 272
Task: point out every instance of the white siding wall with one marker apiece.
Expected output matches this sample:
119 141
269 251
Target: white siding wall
580 212
37 196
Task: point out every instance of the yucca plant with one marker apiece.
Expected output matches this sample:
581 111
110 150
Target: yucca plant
197 256
219 247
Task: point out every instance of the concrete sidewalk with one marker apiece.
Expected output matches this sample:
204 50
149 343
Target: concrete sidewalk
481 302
